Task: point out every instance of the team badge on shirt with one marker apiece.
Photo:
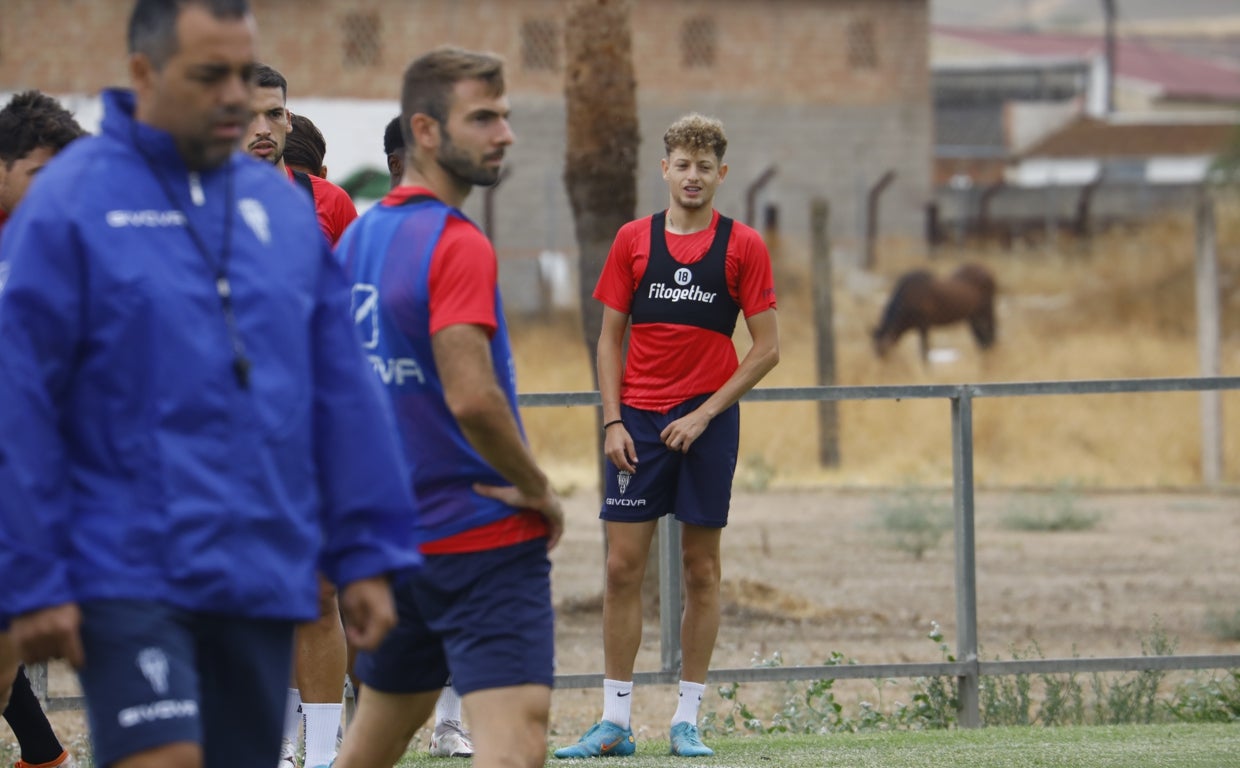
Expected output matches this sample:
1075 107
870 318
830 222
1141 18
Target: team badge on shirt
255 216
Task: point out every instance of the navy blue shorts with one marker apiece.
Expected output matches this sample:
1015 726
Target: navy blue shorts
695 486
483 618
157 675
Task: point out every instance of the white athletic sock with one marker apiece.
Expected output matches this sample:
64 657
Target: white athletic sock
618 702
292 716
449 705
322 723
690 701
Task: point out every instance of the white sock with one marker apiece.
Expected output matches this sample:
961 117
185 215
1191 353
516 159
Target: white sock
690 701
618 702
449 705
322 723
292 715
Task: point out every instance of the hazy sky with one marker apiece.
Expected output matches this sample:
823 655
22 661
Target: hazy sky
1066 12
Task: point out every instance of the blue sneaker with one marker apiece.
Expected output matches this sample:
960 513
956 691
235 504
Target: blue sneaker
686 742
604 739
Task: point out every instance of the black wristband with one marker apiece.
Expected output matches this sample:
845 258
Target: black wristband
610 423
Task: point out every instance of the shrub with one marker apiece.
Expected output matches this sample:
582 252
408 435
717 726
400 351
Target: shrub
914 520
1224 626
1060 511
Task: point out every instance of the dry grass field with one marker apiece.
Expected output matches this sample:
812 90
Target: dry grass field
1125 309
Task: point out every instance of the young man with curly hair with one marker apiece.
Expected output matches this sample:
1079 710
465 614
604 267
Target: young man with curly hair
677 281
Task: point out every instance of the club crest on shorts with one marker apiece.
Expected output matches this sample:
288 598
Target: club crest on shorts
154 665
623 477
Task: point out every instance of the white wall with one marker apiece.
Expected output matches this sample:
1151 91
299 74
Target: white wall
1048 172
1031 121
353 129
1177 170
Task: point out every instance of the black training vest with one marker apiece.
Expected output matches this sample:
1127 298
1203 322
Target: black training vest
303 181
686 294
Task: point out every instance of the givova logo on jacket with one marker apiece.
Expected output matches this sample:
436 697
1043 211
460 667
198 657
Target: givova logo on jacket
392 371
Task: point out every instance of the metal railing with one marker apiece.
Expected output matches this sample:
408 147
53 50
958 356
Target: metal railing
968 669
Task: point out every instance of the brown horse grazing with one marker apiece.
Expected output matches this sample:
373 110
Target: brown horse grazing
921 300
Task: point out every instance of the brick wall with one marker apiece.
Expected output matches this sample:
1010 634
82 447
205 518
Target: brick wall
776 51
833 93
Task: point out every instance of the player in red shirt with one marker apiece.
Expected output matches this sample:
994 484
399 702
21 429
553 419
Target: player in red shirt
427 305
319 654
265 139
677 280
304 147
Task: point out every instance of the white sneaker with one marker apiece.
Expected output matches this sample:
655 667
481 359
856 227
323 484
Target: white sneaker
450 739
288 755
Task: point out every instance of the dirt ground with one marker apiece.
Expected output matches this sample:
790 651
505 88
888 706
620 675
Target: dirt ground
807 572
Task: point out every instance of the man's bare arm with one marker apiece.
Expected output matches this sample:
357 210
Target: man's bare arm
762 356
479 405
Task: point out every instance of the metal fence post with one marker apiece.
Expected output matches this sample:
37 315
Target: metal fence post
669 592
969 712
1208 341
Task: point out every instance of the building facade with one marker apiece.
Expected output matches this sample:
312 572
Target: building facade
830 94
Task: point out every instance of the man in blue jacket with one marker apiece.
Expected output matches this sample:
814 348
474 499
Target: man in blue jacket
188 426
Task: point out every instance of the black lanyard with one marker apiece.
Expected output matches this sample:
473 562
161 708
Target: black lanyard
223 288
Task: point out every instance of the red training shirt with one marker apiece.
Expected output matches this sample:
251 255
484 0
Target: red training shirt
332 206
669 363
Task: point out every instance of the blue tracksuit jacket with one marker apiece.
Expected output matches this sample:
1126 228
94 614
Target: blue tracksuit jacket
133 464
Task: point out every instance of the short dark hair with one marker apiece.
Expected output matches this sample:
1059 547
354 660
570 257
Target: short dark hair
153 24
269 77
430 78
305 145
393 137
31 120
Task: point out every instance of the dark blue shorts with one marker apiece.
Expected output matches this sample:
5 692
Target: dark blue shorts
484 618
157 675
695 486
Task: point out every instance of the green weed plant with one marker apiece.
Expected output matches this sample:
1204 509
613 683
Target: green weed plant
1046 699
1058 511
914 520
1224 625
